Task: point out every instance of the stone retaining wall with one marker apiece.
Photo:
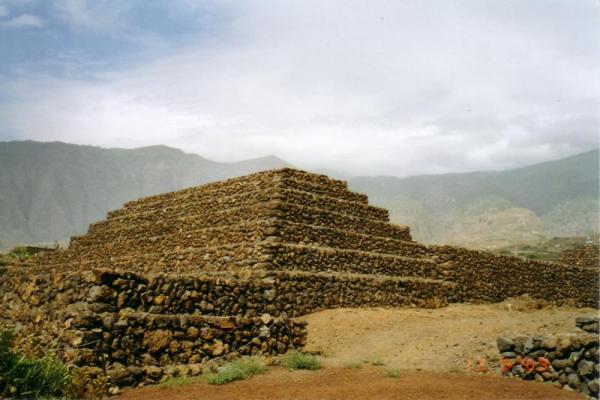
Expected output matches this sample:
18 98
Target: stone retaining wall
141 339
293 232
486 277
251 294
324 259
331 219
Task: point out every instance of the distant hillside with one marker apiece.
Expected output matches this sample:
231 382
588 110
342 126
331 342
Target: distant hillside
50 191
494 209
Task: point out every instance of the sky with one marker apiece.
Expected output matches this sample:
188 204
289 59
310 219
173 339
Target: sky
361 87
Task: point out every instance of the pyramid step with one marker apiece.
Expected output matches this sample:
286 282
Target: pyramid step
150 225
124 245
215 258
211 204
291 256
252 293
317 184
330 219
246 231
273 255
314 235
153 226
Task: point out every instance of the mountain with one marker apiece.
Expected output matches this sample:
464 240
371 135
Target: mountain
51 191
496 208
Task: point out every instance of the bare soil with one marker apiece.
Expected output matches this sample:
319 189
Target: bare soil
363 383
440 340
429 348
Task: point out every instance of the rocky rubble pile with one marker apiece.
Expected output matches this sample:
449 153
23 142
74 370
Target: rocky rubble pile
569 362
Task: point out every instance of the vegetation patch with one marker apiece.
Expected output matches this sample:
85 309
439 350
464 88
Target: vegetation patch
392 373
298 360
22 376
237 370
353 365
176 382
20 253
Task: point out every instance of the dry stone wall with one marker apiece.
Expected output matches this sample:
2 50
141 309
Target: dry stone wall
587 255
299 233
486 277
251 294
142 339
308 258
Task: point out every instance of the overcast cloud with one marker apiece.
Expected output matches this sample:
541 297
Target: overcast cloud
363 87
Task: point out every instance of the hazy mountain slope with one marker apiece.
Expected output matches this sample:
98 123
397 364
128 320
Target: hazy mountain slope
50 191
491 209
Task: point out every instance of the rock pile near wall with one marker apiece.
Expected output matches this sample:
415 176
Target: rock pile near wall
569 362
268 246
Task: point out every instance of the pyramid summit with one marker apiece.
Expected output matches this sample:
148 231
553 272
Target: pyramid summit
181 278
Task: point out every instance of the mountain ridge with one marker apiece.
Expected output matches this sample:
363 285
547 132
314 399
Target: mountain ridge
555 192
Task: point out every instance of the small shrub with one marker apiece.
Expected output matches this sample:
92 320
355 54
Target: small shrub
22 376
392 373
237 370
353 365
20 253
298 360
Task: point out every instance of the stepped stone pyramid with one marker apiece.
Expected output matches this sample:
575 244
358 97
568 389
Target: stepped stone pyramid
285 225
172 281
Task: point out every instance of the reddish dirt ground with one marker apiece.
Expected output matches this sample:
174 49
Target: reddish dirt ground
363 383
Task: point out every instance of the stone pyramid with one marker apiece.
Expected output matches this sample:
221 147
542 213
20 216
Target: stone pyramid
174 280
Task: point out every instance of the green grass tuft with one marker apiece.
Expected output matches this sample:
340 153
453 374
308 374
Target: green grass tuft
392 373
175 382
237 370
353 365
298 360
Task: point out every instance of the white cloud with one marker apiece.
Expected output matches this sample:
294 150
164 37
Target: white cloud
23 21
90 14
367 87
3 11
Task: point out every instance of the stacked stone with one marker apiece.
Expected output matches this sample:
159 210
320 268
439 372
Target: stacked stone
145 344
486 277
569 362
587 255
